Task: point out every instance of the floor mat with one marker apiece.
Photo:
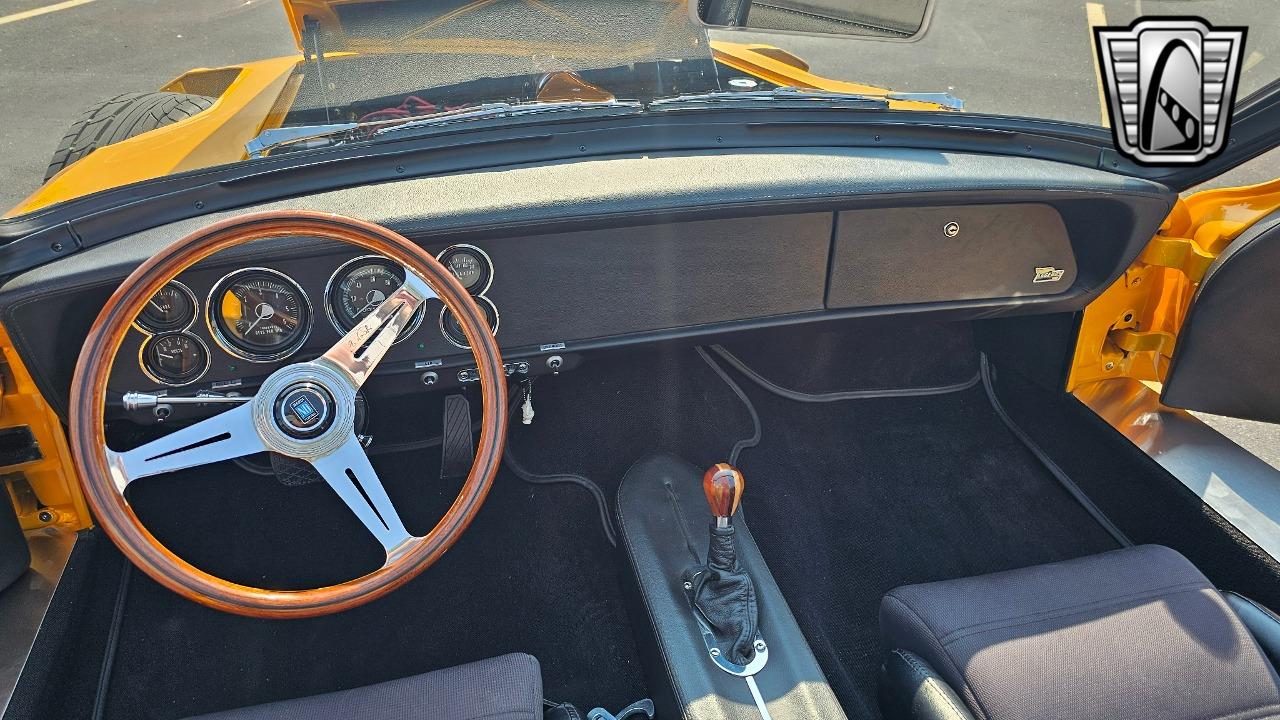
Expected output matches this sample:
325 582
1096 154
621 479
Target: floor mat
849 500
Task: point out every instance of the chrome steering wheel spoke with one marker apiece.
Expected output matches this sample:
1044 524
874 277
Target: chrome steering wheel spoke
224 436
360 350
348 472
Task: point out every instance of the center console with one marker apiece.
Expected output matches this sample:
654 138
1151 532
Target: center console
714 611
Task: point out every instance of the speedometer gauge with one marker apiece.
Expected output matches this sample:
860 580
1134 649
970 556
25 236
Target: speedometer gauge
259 314
470 265
361 285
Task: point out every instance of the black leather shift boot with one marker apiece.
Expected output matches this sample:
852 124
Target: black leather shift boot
724 594
661 507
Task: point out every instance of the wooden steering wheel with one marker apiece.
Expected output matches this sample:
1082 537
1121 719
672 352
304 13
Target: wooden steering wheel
304 410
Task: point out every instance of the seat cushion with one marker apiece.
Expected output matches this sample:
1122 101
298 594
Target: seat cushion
1136 633
502 688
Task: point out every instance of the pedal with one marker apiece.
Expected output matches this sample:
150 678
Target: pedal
457 451
636 710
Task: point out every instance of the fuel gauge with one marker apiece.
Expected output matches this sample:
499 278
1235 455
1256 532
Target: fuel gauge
175 358
173 307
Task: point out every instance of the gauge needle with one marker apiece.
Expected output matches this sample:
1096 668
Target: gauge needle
263 312
375 299
157 305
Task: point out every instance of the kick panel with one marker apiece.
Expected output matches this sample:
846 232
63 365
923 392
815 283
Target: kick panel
907 255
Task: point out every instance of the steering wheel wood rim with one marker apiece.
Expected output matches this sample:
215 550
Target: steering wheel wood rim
91 455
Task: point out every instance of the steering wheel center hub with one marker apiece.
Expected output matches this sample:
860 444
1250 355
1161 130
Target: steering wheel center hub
304 410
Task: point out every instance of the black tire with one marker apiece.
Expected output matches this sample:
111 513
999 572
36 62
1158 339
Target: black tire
120 118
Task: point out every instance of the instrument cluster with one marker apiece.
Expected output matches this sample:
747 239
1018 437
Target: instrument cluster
262 315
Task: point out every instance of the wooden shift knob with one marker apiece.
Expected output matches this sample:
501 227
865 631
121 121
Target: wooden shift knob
723 485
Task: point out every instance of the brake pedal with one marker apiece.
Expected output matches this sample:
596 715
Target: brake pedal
457 451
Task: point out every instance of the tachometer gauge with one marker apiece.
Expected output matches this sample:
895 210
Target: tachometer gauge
173 307
175 358
452 329
259 314
470 265
361 285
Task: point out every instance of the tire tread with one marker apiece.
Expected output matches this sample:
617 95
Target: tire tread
120 118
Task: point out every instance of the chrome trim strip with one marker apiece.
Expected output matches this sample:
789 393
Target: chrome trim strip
216 333
1231 480
414 323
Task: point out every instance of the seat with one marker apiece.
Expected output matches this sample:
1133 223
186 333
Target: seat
1137 633
502 688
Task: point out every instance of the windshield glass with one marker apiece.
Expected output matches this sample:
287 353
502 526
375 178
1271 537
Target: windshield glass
272 78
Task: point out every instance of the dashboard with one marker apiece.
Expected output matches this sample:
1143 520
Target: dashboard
571 259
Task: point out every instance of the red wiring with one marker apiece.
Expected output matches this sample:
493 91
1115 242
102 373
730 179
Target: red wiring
412 106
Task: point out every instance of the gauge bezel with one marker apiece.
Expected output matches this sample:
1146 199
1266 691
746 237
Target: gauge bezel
488 262
215 330
142 327
146 370
497 322
414 322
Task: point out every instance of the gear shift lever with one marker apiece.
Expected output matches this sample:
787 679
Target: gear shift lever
721 592
723 485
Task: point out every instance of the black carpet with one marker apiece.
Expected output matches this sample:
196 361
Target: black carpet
60 678
530 575
849 500
1146 502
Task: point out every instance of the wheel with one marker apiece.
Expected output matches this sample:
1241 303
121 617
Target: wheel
121 118
305 411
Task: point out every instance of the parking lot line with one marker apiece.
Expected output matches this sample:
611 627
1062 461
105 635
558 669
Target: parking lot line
1096 15
15 17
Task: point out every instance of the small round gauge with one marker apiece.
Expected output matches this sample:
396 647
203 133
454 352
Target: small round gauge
452 329
175 358
470 265
173 307
259 314
361 285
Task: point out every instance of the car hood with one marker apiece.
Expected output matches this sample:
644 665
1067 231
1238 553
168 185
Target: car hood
557 31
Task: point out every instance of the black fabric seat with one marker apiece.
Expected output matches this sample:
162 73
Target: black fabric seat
1137 634
502 688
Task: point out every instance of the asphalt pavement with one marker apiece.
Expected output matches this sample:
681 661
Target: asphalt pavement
999 56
